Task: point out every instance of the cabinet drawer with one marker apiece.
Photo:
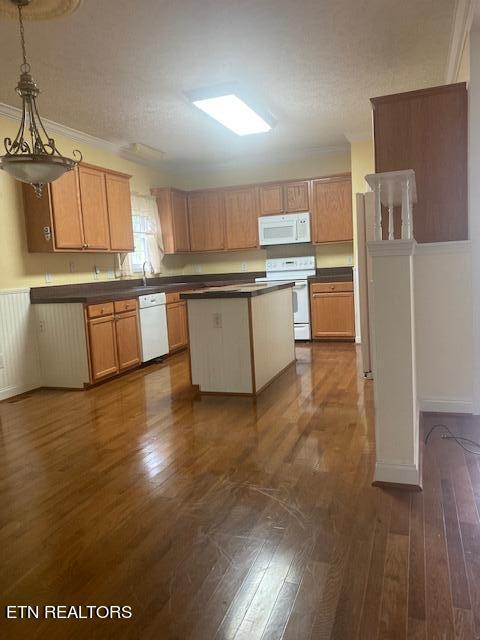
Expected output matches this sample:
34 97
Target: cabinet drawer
125 305
173 297
98 310
330 287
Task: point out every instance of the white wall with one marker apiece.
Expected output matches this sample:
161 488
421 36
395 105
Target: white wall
444 331
19 359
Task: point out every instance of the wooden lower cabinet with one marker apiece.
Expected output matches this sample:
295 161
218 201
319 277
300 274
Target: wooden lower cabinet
113 338
332 311
103 348
177 325
128 341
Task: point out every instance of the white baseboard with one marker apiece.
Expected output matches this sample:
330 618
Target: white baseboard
445 405
9 392
397 473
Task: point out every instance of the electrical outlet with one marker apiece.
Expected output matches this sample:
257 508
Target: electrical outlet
244 266
217 320
48 277
41 326
350 261
197 268
72 267
111 275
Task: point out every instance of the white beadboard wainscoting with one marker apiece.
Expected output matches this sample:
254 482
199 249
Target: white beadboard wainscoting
19 356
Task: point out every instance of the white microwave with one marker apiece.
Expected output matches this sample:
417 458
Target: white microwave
287 229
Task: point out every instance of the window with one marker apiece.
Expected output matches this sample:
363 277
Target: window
146 233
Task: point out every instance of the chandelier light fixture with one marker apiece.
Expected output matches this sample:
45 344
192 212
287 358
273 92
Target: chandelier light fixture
32 156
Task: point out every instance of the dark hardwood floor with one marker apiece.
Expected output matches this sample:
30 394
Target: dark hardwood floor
230 518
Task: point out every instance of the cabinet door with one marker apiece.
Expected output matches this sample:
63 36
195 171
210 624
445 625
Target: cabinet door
207 221
103 348
177 325
119 212
94 208
128 343
296 197
67 220
271 199
332 209
241 220
181 238
333 315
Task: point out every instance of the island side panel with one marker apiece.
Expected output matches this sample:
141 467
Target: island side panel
220 345
273 335
62 344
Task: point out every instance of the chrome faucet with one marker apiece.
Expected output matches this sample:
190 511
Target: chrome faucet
147 262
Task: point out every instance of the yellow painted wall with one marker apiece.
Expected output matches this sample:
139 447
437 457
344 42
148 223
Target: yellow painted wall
331 255
18 268
322 164
363 163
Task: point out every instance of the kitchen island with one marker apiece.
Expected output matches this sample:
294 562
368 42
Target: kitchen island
241 336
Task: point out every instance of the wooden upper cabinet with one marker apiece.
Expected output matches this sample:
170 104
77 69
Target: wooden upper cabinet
296 196
119 212
87 209
93 197
206 220
173 213
271 199
332 209
241 218
67 216
427 131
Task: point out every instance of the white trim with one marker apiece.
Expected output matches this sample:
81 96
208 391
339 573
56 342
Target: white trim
7 292
397 473
445 405
458 246
14 113
358 340
462 21
10 392
391 247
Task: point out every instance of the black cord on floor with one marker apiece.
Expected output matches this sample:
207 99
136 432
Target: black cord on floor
452 436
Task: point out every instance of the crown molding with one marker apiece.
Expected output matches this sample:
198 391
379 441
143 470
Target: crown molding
462 22
14 113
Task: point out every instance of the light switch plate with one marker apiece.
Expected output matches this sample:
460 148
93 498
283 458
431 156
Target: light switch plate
244 266
217 320
48 277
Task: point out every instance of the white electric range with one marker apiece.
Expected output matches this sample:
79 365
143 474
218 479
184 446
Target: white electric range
296 270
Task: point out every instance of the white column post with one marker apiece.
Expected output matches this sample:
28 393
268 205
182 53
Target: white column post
391 230
378 213
395 386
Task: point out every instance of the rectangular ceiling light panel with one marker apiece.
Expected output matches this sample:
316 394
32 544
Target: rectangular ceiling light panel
234 114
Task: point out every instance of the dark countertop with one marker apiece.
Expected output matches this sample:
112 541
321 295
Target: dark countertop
236 290
333 274
98 292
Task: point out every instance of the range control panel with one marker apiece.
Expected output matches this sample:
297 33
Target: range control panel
302 263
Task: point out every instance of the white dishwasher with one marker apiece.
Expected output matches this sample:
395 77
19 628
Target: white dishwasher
153 326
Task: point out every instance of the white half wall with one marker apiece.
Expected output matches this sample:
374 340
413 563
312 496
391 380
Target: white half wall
19 357
444 328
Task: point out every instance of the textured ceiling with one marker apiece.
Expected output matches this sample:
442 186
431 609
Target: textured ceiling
118 69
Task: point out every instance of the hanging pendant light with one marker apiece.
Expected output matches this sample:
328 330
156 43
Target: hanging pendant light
32 156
